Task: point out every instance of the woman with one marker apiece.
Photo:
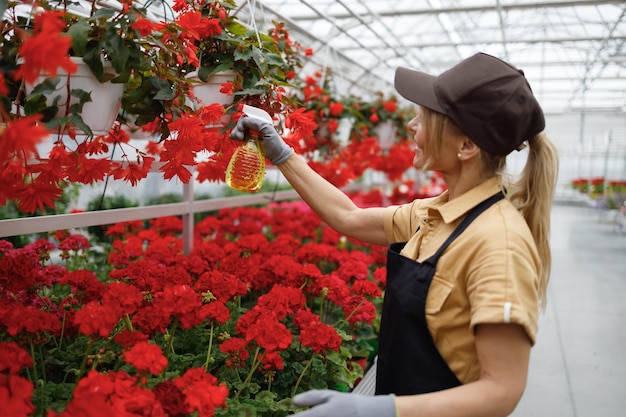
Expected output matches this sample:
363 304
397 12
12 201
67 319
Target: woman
468 270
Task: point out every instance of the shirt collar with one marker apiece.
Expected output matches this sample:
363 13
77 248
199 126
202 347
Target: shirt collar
452 210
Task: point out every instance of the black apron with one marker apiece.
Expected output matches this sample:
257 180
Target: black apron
408 360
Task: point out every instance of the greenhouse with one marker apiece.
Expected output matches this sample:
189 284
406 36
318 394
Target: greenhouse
181 182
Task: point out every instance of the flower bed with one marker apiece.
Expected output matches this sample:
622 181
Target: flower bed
271 302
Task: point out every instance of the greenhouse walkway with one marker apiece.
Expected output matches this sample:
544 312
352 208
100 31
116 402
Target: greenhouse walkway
578 366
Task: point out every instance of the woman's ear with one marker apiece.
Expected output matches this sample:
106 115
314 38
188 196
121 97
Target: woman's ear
468 149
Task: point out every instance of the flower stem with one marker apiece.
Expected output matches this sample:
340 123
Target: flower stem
255 362
170 342
128 323
353 311
208 353
32 354
306 367
84 363
62 330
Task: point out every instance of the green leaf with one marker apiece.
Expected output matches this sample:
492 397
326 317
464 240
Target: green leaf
37 103
78 122
207 71
103 13
83 97
266 396
116 49
237 29
244 54
94 61
47 86
79 32
165 93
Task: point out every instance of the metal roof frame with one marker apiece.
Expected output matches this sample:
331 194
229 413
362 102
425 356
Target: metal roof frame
571 51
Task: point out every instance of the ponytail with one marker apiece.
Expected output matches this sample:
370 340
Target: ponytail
532 194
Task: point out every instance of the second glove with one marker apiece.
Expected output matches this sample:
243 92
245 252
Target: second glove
327 403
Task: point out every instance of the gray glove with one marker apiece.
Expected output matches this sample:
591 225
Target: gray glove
274 147
327 403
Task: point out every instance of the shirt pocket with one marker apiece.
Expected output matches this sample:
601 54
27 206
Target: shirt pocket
438 293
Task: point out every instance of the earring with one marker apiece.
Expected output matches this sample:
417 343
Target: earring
459 155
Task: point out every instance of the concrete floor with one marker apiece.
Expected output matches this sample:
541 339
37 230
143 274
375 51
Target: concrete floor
578 366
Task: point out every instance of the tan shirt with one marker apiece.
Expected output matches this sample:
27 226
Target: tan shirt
489 274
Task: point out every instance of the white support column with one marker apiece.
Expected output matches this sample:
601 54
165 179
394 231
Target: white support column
188 217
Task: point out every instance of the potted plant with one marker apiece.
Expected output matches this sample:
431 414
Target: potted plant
260 68
251 317
152 60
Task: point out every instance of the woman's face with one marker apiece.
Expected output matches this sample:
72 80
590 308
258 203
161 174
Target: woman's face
426 156
416 126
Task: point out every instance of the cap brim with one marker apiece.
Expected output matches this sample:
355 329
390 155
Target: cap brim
417 87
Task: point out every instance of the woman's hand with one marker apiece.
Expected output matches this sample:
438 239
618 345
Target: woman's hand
274 147
327 403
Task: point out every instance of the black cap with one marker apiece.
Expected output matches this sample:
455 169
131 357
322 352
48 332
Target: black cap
487 98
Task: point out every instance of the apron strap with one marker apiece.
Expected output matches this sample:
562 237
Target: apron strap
476 211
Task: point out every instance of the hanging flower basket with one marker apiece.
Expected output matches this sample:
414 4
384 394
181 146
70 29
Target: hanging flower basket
209 92
386 133
100 112
206 93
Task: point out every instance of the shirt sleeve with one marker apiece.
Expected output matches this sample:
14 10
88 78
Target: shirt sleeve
398 221
503 285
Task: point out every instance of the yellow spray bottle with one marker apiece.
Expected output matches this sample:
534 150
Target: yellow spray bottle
246 168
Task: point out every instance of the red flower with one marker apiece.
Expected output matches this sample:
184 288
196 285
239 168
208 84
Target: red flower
4 90
366 288
13 357
269 333
320 337
182 301
84 284
97 320
146 357
15 396
235 349
228 88
301 124
111 394
335 109
130 171
171 398
202 392
127 297
151 319
170 225
217 311
128 339
37 196
222 285
197 26
380 274
145 26
282 301
390 106
305 318
74 243
47 50
273 361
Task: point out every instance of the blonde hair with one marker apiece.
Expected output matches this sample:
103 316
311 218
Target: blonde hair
531 193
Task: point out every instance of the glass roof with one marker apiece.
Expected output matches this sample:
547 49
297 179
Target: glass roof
572 52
